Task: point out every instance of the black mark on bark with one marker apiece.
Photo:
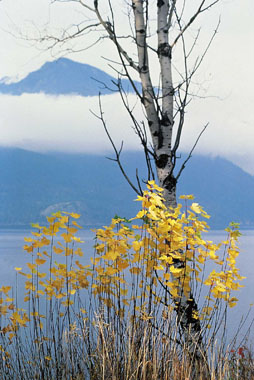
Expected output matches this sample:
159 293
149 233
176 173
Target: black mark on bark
165 50
165 120
160 3
162 161
169 183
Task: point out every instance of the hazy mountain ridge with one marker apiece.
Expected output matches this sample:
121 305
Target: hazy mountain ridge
33 185
65 77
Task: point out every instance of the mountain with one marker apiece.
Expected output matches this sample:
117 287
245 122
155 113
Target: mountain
34 185
64 76
224 189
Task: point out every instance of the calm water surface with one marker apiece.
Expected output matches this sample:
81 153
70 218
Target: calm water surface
12 254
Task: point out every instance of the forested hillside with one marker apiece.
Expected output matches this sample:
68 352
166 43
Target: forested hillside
33 185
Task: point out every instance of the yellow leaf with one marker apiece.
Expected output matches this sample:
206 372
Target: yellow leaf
12 335
156 187
63 220
140 214
17 269
110 271
168 283
124 292
159 267
232 301
67 237
79 252
191 197
59 296
195 314
34 314
37 234
67 303
8 299
72 230
174 292
31 266
48 358
111 255
36 225
220 288
75 216
30 286
57 250
40 261
46 253
201 259
77 239
51 219
3 310
122 265
196 208
5 289
76 224
41 275
137 245
175 270
29 240
28 248
68 251
135 270
108 302
125 302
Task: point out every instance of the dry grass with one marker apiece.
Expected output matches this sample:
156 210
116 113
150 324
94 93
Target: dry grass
119 319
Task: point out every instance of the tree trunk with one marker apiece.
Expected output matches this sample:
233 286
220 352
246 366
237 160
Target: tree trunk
160 121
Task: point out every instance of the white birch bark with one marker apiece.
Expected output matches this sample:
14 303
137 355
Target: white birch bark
160 125
164 170
147 87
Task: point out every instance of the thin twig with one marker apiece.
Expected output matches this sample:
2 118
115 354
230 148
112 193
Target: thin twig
117 152
190 154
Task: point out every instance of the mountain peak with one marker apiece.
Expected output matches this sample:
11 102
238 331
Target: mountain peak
65 77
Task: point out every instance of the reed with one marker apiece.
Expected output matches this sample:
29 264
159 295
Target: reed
118 317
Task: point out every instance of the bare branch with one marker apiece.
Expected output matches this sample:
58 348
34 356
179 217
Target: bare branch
141 133
171 12
117 152
108 27
190 154
74 1
193 18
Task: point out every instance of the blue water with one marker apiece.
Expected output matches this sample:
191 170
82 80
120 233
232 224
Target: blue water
12 255
245 263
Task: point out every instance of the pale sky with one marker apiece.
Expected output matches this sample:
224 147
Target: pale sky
41 123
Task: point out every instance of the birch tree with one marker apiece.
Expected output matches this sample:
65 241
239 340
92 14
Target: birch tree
164 104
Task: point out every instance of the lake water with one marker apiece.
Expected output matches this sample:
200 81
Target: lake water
12 254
